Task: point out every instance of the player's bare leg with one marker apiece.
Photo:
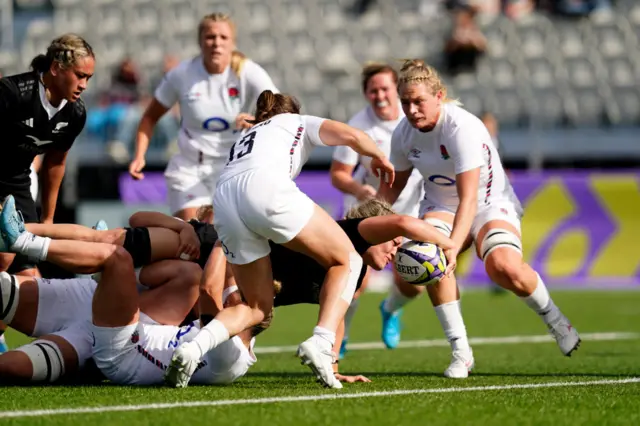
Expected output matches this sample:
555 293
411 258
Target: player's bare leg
501 249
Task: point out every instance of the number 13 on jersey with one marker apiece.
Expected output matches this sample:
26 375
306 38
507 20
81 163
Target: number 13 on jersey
246 142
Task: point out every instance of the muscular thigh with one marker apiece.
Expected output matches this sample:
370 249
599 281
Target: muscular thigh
323 240
503 217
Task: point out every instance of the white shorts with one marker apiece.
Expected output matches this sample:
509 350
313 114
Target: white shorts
501 210
254 207
62 303
191 183
78 335
409 200
138 354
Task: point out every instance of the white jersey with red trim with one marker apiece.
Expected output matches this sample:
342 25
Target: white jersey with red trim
280 145
210 103
458 143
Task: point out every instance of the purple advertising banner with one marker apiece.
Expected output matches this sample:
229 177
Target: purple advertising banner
580 229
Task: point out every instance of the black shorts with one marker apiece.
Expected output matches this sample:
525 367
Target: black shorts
208 236
26 206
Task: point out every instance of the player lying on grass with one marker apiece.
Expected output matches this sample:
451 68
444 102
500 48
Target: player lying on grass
125 349
301 277
57 313
375 231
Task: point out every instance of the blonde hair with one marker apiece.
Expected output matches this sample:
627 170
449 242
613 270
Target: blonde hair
238 58
204 213
369 208
417 71
374 68
66 50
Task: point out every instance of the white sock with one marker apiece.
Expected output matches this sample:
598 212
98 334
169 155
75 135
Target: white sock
541 303
450 317
348 317
395 300
210 336
324 336
33 246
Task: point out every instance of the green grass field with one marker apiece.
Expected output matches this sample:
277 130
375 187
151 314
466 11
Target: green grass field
514 383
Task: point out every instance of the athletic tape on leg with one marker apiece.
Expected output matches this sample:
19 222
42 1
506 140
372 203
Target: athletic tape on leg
9 295
355 266
46 360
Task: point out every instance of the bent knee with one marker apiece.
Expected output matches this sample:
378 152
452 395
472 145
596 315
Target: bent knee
504 265
41 361
119 256
15 367
188 271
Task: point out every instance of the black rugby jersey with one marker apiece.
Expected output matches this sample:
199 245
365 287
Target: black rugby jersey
301 276
26 128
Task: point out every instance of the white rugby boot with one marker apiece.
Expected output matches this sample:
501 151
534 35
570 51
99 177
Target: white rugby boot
566 336
462 363
320 361
184 363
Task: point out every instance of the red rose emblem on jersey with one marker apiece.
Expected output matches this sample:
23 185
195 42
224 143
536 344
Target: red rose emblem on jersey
135 337
443 152
233 92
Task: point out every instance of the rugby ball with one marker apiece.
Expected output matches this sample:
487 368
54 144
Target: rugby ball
420 263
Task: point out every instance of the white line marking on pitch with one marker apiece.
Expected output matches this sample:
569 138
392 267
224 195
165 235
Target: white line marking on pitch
507 340
331 396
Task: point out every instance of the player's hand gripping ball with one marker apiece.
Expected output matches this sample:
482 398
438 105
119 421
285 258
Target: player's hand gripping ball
420 263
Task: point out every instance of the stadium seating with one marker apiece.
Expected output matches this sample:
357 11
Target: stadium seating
539 69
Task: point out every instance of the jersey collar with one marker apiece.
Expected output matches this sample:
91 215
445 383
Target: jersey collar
51 110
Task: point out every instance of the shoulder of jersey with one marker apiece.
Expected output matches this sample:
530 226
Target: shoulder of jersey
184 67
361 120
403 127
458 116
20 83
80 108
250 66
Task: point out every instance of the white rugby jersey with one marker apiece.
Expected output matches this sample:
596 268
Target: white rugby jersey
458 143
210 103
280 145
378 130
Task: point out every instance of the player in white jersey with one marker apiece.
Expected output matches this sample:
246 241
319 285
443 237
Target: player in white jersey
256 200
351 173
215 91
127 346
57 312
466 194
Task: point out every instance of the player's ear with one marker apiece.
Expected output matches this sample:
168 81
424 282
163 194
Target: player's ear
55 68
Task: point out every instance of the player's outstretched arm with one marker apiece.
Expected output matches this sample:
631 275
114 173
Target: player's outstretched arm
334 133
380 229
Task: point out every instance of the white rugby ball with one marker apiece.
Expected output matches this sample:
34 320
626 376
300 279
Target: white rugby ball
420 263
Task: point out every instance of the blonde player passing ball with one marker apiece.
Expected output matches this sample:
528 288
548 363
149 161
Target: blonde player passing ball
215 91
256 201
351 173
467 193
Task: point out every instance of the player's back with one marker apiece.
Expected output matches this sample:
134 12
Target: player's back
279 145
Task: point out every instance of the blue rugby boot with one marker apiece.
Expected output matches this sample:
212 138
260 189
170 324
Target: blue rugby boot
391 327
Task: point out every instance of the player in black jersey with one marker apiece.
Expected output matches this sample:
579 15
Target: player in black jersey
374 231
300 277
41 113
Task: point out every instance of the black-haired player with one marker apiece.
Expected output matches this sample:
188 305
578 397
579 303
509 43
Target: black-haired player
41 113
